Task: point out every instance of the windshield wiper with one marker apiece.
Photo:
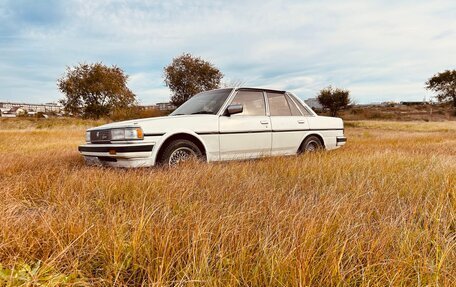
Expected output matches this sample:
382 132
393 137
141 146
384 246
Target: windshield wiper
202 113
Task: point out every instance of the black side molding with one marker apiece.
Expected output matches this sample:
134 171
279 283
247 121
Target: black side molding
138 148
268 131
154 135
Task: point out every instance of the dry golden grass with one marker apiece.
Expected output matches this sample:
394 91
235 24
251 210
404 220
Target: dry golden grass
380 211
442 112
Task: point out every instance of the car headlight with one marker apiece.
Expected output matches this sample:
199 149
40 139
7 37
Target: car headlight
88 137
127 134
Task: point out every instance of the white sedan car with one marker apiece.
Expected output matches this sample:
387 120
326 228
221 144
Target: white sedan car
217 125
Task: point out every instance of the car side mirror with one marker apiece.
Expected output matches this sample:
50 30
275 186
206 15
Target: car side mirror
234 109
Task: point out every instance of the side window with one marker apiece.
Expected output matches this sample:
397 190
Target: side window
252 102
294 109
278 105
305 112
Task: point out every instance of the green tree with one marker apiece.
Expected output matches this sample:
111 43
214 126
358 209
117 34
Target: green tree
334 99
188 75
95 90
444 84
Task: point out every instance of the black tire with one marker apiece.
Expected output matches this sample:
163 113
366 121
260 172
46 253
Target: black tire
311 144
178 148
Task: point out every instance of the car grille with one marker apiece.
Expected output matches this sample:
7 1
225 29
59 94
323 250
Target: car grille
100 136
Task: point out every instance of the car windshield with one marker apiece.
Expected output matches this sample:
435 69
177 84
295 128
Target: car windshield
203 103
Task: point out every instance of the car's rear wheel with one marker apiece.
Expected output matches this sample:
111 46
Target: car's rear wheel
311 144
179 151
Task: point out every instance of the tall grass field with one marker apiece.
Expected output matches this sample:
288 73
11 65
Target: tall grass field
380 211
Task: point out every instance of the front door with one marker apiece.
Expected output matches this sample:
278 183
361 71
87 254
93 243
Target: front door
247 134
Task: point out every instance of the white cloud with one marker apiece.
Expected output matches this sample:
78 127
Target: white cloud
380 50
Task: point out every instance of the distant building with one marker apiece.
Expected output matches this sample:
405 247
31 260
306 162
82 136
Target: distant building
10 109
150 107
165 106
160 107
8 115
313 103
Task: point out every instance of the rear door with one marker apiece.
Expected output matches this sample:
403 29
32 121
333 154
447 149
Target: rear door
248 134
289 126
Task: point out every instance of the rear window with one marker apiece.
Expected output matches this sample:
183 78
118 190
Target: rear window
294 109
304 110
278 105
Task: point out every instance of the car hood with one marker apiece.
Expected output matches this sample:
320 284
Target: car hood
196 123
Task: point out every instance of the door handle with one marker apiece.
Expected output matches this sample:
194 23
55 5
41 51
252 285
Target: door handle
264 122
301 121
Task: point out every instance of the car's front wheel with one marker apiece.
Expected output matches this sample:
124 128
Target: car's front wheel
179 151
311 144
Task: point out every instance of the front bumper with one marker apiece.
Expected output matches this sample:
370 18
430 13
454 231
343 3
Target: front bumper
340 141
118 150
118 155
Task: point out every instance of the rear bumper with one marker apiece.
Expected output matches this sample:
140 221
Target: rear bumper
340 141
118 155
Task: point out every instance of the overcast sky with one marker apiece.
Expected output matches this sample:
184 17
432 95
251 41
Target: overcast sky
379 50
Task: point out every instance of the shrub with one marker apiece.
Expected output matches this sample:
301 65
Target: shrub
334 99
135 113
